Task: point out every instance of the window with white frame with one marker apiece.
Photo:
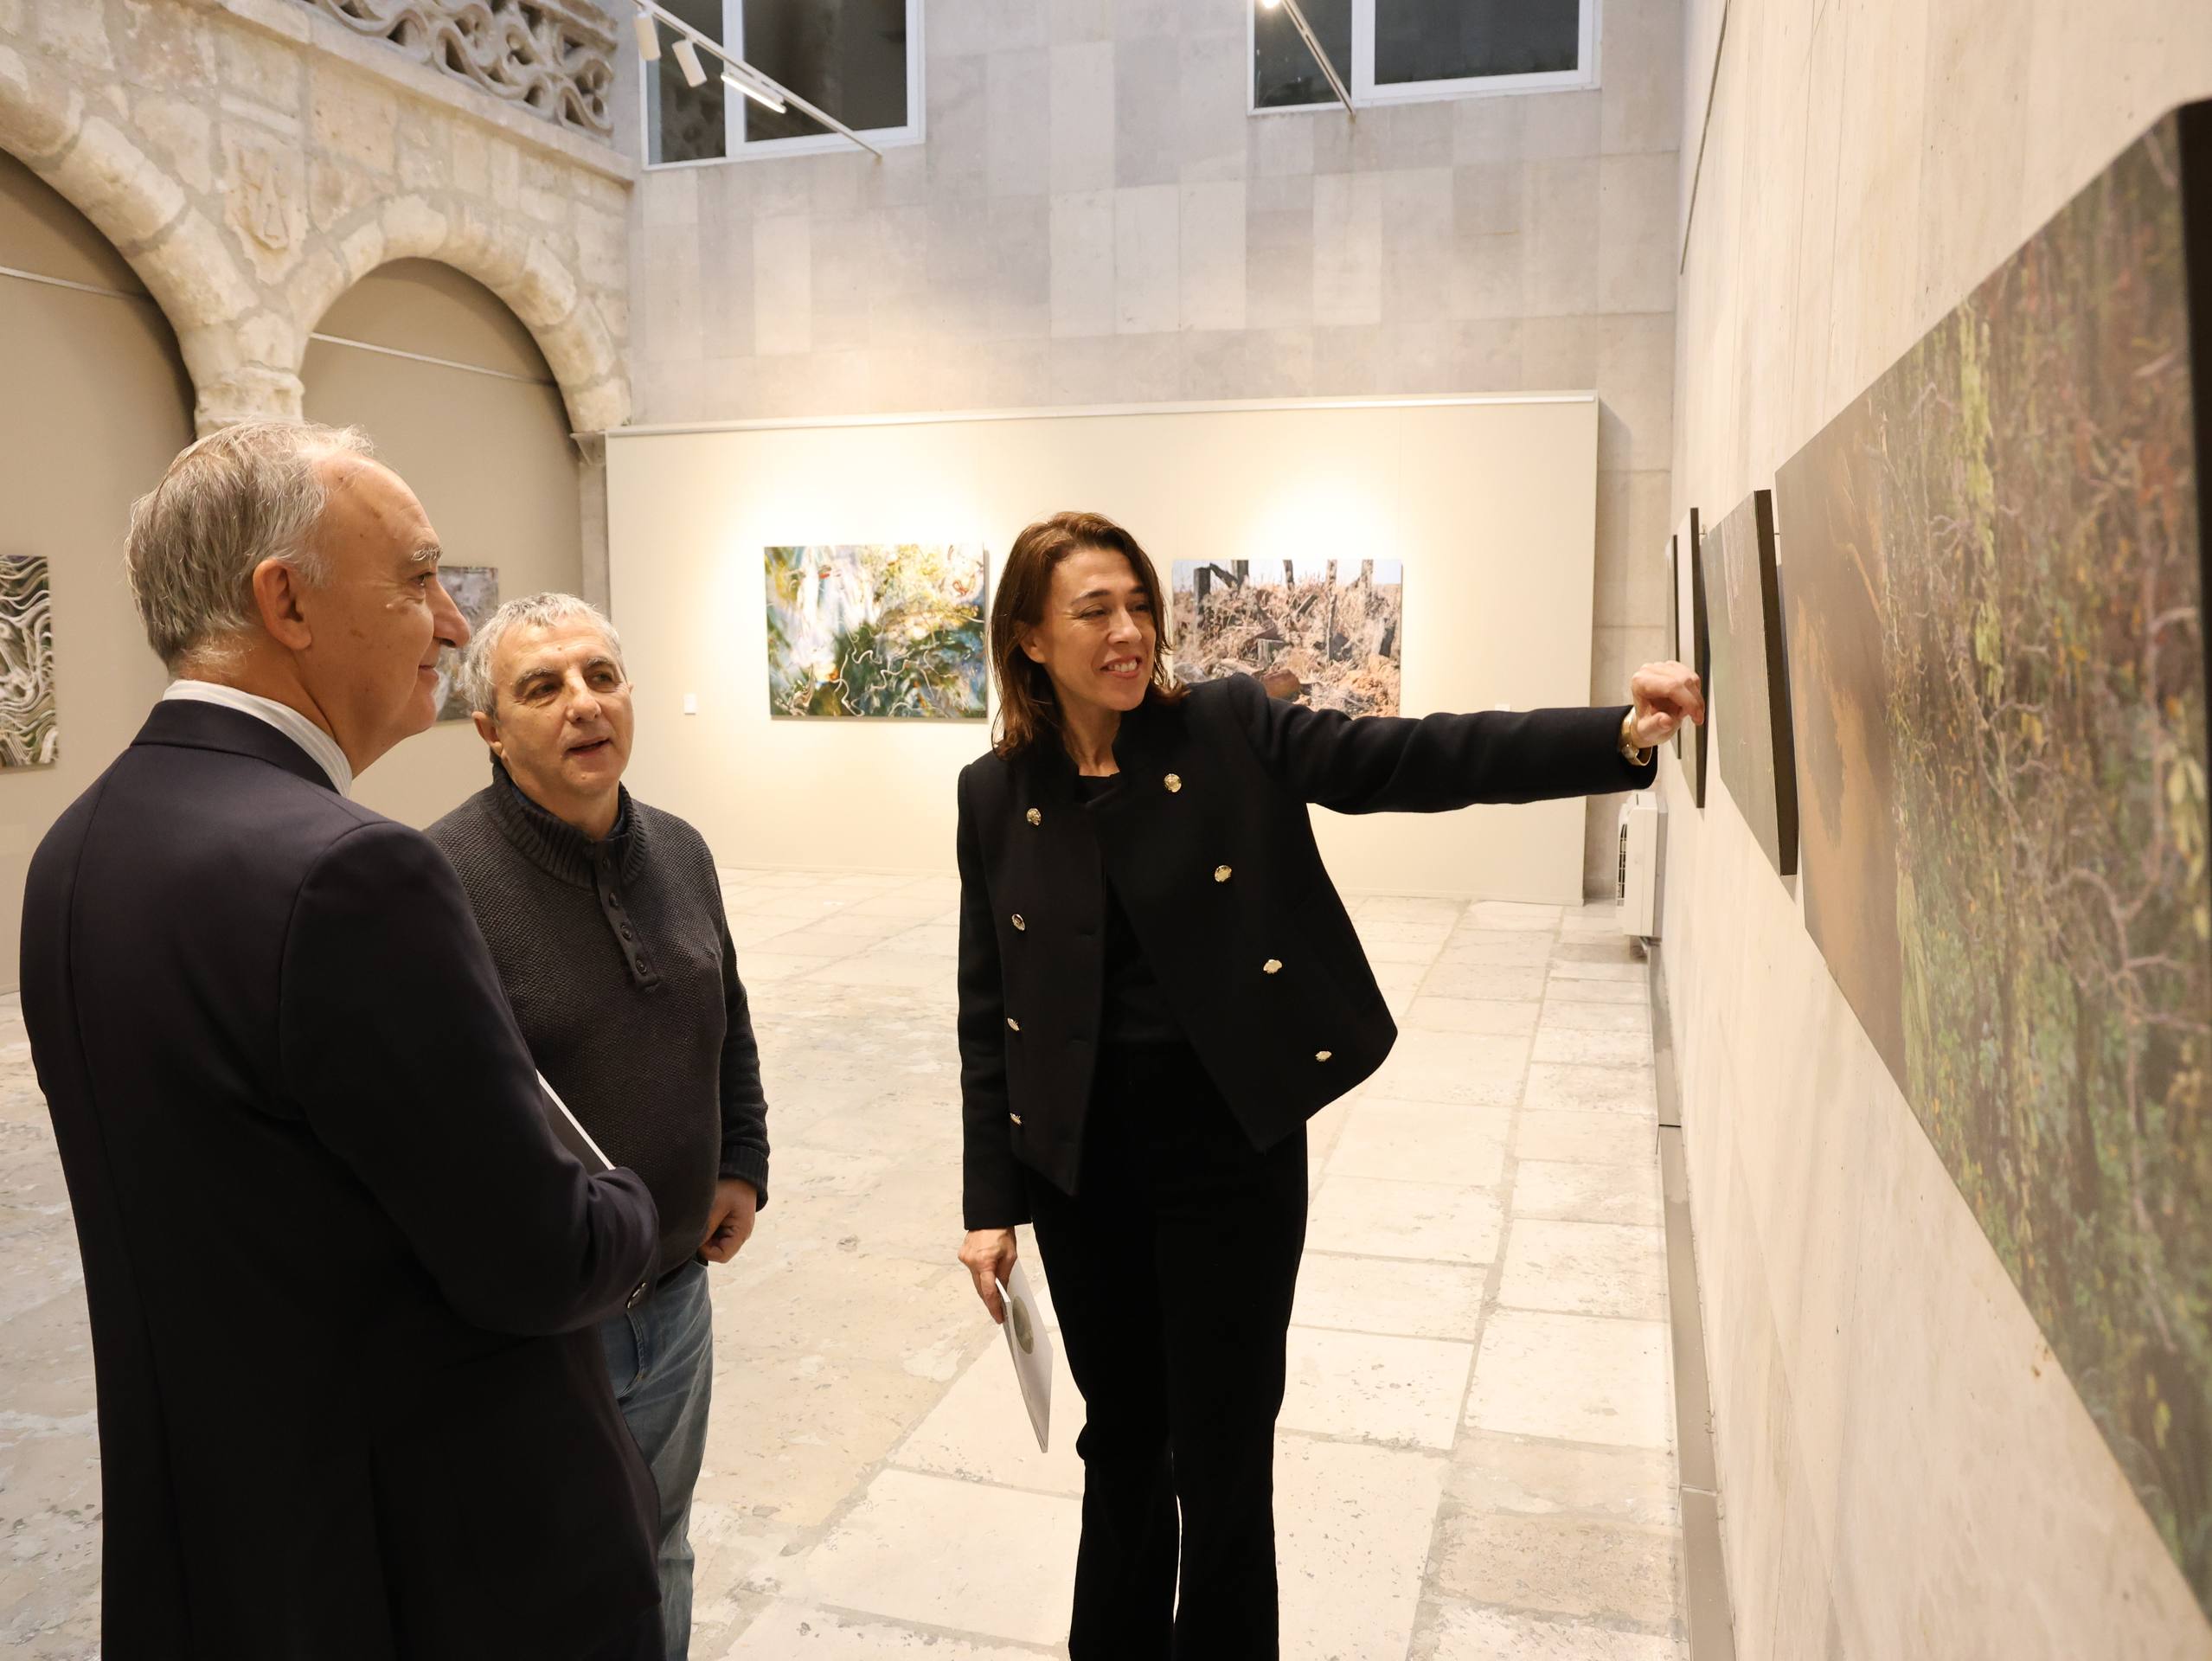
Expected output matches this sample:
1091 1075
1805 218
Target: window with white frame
857 59
1398 51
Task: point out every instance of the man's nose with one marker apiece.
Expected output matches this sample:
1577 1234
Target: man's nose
583 703
453 629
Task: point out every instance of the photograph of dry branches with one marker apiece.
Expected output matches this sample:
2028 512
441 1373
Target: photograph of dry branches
876 629
1325 632
1993 561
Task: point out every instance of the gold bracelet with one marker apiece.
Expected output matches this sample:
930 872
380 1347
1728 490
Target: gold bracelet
1636 755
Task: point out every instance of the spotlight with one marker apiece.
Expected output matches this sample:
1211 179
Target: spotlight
757 95
1269 5
686 59
649 37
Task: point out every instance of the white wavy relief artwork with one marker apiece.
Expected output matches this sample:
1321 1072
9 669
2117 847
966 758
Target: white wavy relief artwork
28 737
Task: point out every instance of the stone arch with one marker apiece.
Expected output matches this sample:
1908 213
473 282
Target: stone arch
528 276
241 358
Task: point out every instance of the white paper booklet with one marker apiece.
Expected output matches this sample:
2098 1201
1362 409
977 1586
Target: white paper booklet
571 1134
1031 1348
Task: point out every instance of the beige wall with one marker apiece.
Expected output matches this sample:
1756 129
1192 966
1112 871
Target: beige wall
1906 1471
483 439
1096 219
98 403
1491 505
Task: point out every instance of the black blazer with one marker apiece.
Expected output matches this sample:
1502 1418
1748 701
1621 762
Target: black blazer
1210 849
341 1276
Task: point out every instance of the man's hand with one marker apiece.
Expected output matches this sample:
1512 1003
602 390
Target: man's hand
988 1255
729 1220
1666 695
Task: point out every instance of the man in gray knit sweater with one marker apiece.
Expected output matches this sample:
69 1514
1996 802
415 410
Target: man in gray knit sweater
604 920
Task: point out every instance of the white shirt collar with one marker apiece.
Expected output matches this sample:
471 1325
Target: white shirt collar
318 744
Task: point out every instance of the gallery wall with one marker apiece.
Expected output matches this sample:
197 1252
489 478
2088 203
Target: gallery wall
112 405
1096 218
1909 1470
1490 505
459 402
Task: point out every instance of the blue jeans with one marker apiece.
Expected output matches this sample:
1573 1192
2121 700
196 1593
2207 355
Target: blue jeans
661 1356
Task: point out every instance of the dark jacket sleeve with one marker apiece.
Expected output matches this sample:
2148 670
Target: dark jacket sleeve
992 1196
400 1049
1388 764
745 1109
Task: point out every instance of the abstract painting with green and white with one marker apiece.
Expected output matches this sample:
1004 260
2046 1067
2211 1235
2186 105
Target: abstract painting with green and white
882 629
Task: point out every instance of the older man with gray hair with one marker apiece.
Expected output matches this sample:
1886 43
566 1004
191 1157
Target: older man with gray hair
343 1278
604 918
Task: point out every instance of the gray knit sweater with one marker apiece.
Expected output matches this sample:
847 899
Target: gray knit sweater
616 959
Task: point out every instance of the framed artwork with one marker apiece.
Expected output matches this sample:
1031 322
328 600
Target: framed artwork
1329 632
876 629
475 589
29 736
1997 560
1687 564
1747 688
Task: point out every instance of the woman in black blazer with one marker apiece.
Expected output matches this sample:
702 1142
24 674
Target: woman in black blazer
1158 986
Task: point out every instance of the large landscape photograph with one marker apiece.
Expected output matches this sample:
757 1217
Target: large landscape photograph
1334 627
1995 565
1747 680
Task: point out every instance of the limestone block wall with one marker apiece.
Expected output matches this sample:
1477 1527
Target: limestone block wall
253 159
1907 1473
1096 219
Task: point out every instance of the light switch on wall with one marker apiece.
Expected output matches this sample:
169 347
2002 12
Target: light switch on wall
691 704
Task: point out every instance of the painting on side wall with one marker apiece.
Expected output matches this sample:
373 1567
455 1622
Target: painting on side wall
475 590
1747 678
1996 559
1687 644
876 629
1327 632
28 737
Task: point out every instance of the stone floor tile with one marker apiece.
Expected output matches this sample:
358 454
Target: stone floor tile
1423 1141
1636 973
1413 1300
1352 1532
760 967
1554 1085
1632 1047
1585 1268
1432 1014
1563 1565
887 969
981 1431
1568 989
802 904
1577 1378
1593 1139
1598 948
788 1630
1367 1217
1397 1392
1599 1018
1407 909
1466 1631
1538 1477
1394 949
1583 1193
1522 983
1507 913
814 940
1475 1067
994 1562
1493 945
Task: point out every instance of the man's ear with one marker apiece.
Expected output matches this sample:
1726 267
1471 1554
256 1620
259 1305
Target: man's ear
276 590
488 730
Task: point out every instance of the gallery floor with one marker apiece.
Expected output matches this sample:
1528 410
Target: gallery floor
1477 1451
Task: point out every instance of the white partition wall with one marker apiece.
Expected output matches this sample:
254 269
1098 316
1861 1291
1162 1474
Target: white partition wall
1490 505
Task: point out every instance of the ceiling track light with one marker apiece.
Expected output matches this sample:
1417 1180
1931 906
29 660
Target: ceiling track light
686 59
759 94
649 37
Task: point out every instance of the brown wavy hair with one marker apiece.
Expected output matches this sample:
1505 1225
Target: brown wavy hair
1028 709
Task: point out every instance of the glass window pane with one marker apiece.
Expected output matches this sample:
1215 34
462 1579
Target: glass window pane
1284 73
1459 39
686 122
849 57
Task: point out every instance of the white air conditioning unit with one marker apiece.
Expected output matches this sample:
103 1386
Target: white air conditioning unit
1635 880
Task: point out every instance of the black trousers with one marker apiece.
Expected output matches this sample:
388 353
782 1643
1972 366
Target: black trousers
1172 1275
